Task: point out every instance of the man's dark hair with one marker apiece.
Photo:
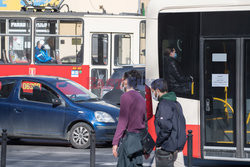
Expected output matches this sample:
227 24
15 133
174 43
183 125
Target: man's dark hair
160 84
168 50
133 78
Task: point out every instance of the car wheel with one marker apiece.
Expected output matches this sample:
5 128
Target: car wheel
80 135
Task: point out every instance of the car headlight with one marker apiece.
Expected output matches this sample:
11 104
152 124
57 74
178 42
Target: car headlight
103 117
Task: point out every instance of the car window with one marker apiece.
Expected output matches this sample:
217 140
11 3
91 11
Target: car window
6 87
35 91
74 91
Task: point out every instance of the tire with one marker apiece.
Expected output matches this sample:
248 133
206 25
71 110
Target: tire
80 135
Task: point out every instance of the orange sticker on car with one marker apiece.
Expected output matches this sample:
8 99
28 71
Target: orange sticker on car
28 86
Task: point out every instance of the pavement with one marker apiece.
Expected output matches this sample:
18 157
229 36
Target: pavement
54 153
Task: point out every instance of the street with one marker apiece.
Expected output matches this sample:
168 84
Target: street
54 153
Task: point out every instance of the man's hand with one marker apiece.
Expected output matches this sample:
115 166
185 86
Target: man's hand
114 149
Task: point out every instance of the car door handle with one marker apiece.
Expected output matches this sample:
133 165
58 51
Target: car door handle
18 110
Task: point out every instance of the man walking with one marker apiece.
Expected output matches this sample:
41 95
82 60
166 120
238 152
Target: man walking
169 125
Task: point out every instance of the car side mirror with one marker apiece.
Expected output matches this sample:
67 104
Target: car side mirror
56 102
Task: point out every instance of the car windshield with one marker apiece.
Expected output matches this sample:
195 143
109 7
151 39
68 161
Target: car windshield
75 91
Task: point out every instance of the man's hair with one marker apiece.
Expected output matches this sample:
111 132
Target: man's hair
168 50
133 77
160 84
40 42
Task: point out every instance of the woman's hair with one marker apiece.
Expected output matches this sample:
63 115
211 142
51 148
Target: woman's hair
133 78
167 51
160 84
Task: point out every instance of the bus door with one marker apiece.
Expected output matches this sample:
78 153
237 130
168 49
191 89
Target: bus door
226 103
108 51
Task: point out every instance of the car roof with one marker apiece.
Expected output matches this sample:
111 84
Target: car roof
35 77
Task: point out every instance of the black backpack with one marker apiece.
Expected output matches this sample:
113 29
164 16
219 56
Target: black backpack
181 126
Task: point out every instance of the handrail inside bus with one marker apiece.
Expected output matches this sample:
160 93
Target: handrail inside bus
226 103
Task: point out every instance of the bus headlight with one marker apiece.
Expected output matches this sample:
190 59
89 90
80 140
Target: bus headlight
103 117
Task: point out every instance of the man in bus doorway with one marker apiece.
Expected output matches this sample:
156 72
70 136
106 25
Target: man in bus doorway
41 55
177 81
170 125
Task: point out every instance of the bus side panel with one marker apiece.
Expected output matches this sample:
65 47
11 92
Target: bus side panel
196 137
78 73
196 141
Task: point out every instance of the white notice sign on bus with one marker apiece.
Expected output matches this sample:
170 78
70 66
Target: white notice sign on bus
220 80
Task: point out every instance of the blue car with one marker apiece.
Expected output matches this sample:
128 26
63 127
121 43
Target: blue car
54 108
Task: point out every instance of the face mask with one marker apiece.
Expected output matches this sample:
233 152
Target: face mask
175 55
155 97
122 87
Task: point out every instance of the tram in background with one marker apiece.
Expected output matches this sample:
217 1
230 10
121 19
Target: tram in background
212 41
87 47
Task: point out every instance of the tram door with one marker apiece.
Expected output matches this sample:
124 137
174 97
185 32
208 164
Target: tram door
100 61
227 96
108 51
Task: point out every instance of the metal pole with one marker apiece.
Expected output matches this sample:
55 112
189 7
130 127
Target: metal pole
4 148
190 148
92 148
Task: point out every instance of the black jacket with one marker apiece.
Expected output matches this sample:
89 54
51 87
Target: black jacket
130 151
177 81
166 125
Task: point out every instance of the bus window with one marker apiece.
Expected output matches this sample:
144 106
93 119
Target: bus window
122 49
142 42
99 53
15 42
179 53
63 41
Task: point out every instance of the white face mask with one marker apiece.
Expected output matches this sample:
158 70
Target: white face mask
155 97
122 87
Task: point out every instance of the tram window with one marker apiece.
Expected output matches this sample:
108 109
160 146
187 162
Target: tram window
63 41
19 26
122 49
99 53
15 44
68 27
46 27
179 33
68 52
2 26
143 42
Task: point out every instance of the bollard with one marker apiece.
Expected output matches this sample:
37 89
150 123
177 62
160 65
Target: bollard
4 148
190 147
92 148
